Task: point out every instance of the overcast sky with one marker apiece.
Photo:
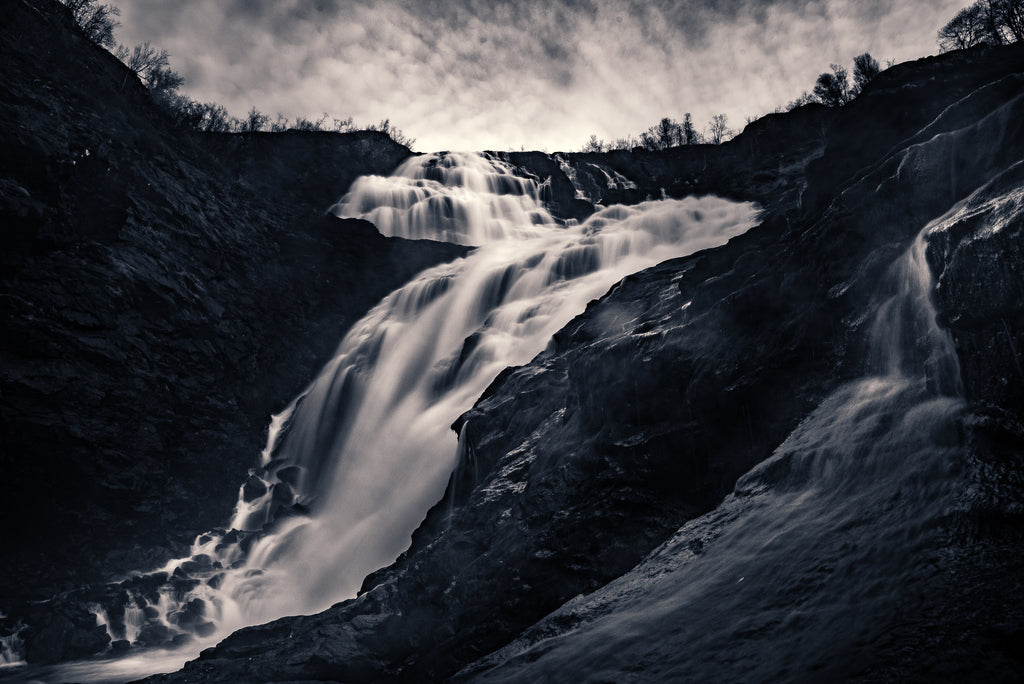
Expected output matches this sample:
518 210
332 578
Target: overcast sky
542 74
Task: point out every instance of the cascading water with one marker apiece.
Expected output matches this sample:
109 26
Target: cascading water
819 549
368 447
352 464
10 647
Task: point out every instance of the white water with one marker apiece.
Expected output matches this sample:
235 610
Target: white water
799 573
10 649
352 464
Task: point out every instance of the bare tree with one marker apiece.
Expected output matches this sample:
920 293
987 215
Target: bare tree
991 18
393 132
718 130
865 68
690 135
966 29
280 125
805 98
304 124
151 65
164 82
594 145
1008 16
254 121
626 143
214 118
96 19
663 135
833 89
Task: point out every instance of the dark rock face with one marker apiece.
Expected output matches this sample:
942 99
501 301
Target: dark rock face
901 101
765 163
302 168
160 296
646 408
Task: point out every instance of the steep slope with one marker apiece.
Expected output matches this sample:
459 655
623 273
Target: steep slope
645 410
161 295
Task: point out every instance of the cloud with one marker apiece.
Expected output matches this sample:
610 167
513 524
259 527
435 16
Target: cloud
474 74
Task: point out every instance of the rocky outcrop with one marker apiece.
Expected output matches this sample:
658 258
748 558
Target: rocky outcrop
765 163
161 293
644 410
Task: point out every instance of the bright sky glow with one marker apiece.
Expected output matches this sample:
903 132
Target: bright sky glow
543 74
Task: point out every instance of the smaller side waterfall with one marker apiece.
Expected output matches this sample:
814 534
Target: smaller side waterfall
805 566
11 646
905 339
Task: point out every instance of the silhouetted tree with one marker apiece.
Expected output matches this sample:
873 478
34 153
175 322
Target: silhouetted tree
343 125
151 66
993 32
280 125
594 145
833 89
164 82
304 124
214 118
805 98
966 29
993 22
254 121
865 68
1004 20
718 131
96 19
625 143
690 136
393 132
663 135
143 59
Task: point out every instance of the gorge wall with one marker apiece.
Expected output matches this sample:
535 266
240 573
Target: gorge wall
148 275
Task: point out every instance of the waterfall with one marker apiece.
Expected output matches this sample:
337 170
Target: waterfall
819 547
11 647
354 462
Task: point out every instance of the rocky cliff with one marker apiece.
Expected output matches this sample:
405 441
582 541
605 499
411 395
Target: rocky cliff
149 275
645 410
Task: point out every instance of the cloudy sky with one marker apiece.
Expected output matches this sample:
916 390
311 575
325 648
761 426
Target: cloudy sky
539 74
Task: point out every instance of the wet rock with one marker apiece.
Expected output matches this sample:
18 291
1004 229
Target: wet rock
253 489
59 637
196 564
179 640
153 633
190 616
